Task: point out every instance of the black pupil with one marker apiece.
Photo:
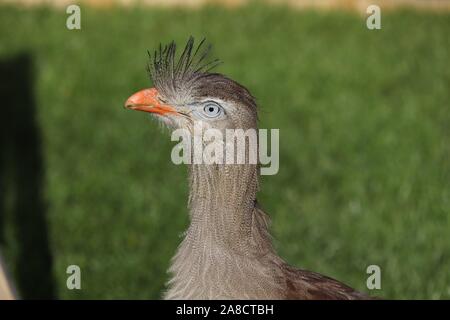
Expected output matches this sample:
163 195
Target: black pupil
211 109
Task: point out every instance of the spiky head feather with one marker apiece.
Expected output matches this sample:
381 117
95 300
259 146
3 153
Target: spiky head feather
172 76
186 78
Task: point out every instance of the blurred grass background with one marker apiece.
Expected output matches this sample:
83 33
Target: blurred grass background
364 145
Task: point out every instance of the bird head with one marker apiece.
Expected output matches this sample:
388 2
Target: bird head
186 93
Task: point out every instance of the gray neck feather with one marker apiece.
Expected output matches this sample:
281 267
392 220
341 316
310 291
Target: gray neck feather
227 243
221 202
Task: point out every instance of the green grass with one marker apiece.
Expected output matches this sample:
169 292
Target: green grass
364 131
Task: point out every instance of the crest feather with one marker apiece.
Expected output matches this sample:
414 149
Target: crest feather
171 75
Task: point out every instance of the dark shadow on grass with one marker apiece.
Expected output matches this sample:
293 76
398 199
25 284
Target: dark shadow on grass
23 225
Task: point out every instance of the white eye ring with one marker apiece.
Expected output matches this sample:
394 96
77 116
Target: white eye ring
212 110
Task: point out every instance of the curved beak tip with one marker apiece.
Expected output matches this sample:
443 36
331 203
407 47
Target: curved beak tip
128 104
142 98
146 100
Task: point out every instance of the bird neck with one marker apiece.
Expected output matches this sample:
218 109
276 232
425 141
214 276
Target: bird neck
222 205
227 238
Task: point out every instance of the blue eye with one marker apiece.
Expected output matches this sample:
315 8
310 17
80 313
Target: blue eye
212 110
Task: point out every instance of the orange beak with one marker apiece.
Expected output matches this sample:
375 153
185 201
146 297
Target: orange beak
146 100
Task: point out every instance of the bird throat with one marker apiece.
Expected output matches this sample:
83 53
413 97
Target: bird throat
227 238
222 202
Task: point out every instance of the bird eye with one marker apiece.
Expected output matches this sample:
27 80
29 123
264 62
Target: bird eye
212 110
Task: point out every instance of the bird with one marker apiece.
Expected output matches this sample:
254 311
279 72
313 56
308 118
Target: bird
227 250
